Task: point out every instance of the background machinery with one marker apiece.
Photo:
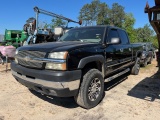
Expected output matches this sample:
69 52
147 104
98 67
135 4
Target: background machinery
37 35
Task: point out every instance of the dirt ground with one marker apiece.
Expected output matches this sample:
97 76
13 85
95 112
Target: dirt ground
126 98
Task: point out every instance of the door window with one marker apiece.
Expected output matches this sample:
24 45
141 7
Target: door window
112 34
124 38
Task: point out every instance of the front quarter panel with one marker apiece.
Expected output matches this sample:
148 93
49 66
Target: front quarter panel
77 55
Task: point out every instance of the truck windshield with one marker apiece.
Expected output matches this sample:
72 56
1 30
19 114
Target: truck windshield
91 34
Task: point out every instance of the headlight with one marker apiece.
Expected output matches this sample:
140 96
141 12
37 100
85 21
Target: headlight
58 55
16 52
16 61
55 66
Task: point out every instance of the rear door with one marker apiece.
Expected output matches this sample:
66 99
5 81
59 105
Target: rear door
126 49
113 54
117 55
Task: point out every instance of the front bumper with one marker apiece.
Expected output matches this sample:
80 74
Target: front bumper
56 83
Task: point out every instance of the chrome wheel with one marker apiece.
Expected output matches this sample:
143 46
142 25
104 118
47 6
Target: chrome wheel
94 89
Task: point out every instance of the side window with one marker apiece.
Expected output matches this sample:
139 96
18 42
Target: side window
112 34
123 36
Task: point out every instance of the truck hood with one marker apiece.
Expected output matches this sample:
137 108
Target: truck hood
57 46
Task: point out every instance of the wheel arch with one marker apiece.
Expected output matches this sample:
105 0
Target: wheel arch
138 53
96 61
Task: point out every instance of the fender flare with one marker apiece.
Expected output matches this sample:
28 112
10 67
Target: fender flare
93 58
139 52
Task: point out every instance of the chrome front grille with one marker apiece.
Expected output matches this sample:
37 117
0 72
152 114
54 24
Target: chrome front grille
35 54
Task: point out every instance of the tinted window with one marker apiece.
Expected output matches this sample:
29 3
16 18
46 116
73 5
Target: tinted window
112 34
91 34
123 36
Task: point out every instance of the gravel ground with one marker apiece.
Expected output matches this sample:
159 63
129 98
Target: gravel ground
126 98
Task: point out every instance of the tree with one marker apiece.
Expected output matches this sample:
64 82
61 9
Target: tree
85 15
89 13
116 15
94 13
57 22
94 10
154 40
128 25
144 34
102 14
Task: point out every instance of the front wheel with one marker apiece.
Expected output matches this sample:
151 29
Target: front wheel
91 89
136 67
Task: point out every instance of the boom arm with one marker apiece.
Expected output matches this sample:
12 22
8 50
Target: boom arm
38 10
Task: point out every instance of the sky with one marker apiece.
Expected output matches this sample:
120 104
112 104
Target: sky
14 13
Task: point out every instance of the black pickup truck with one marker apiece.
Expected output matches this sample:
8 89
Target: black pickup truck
78 64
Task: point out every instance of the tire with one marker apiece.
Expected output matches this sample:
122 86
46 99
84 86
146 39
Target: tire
150 61
136 67
144 64
91 89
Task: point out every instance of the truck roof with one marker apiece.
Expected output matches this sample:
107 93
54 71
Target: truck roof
105 26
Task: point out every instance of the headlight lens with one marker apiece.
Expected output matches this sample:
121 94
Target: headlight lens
55 66
58 55
16 61
16 52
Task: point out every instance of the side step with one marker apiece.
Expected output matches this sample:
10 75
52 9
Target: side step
117 75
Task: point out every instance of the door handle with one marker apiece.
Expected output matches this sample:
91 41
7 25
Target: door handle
121 50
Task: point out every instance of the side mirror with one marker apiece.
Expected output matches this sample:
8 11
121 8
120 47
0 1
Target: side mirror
114 41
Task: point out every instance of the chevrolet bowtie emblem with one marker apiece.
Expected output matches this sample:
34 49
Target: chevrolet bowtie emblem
27 58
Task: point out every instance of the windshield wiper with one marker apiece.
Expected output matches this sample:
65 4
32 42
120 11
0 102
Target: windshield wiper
79 40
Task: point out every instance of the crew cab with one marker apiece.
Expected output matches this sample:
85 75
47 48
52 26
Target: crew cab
77 64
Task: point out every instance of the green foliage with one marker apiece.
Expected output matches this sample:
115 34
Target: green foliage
57 22
99 13
116 15
85 15
94 13
154 40
144 34
128 25
102 14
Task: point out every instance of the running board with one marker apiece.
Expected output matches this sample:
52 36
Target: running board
117 75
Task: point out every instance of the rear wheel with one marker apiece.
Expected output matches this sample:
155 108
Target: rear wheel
150 61
145 63
136 67
91 89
